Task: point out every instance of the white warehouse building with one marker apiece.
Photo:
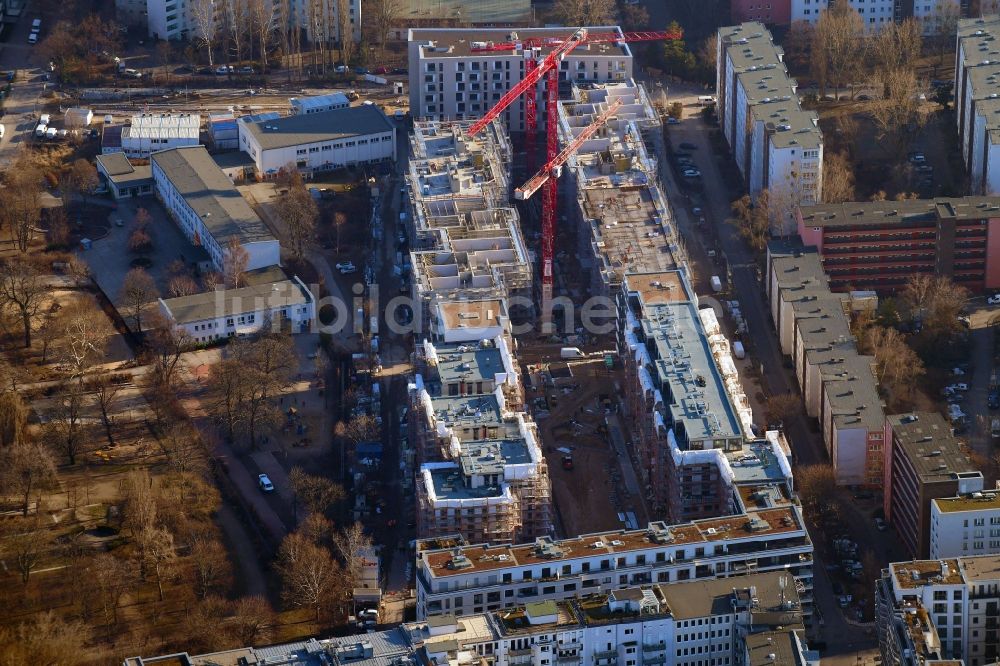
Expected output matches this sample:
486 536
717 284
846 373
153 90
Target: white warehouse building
319 141
151 132
209 209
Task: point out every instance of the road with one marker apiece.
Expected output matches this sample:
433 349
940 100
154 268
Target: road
842 637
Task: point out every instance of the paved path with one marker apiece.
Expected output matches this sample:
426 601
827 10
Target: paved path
251 578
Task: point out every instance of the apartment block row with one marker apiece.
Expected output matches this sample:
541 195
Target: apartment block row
449 80
777 146
621 217
880 245
454 577
875 14
192 21
939 610
837 383
977 101
750 620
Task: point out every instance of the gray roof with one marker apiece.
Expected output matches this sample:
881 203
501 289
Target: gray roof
702 598
120 171
913 212
768 648
315 127
233 158
229 302
470 409
319 101
491 456
928 444
468 363
212 196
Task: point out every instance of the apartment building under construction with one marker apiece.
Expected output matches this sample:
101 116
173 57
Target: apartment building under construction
467 242
482 473
621 215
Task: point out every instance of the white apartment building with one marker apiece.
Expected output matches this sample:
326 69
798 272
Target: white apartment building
777 146
448 81
457 578
965 525
874 13
977 101
151 132
748 620
939 609
175 19
319 141
209 209
225 313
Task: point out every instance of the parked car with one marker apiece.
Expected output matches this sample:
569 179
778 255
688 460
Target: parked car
346 267
925 168
881 525
265 483
44 119
400 70
246 69
959 386
994 299
672 121
917 157
206 70
381 70
222 70
361 71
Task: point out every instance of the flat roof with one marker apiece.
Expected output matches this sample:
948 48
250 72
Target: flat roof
120 171
319 101
755 463
750 44
751 526
982 567
212 196
657 288
450 484
714 596
918 573
484 313
490 456
979 40
797 267
229 302
854 400
927 442
323 126
767 648
470 409
233 159
467 363
980 501
457 42
912 212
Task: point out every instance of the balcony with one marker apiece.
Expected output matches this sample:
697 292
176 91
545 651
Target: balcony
609 655
655 647
658 659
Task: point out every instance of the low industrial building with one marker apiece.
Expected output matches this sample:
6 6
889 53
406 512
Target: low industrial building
940 611
924 460
216 315
879 245
209 209
223 131
123 180
323 141
965 525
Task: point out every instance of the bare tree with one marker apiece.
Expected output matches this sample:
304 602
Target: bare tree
317 493
896 46
111 577
798 44
895 107
25 542
206 29
262 15
24 469
138 291
227 390
297 210
211 565
65 429
13 419
138 511
380 15
158 547
816 485
205 626
345 30
237 15
46 639
585 12
838 178
352 545
166 344
310 576
753 219
20 201
253 620
182 285
85 331
837 39
106 392
22 289
80 178
781 407
234 265
897 366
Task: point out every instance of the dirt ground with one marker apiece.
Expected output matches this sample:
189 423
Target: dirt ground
589 496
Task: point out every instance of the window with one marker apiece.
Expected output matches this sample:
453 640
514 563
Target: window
300 151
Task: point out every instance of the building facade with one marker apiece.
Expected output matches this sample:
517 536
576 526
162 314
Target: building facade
460 579
152 132
923 461
965 525
777 146
939 610
449 81
209 209
320 141
216 315
880 245
977 107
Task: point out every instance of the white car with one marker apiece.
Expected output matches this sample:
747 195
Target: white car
1 131
265 483
51 133
960 386
33 38
346 267
994 299
44 119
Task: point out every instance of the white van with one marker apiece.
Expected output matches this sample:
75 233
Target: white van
570 352
36 26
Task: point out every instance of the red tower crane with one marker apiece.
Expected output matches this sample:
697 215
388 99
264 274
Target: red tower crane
534 71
